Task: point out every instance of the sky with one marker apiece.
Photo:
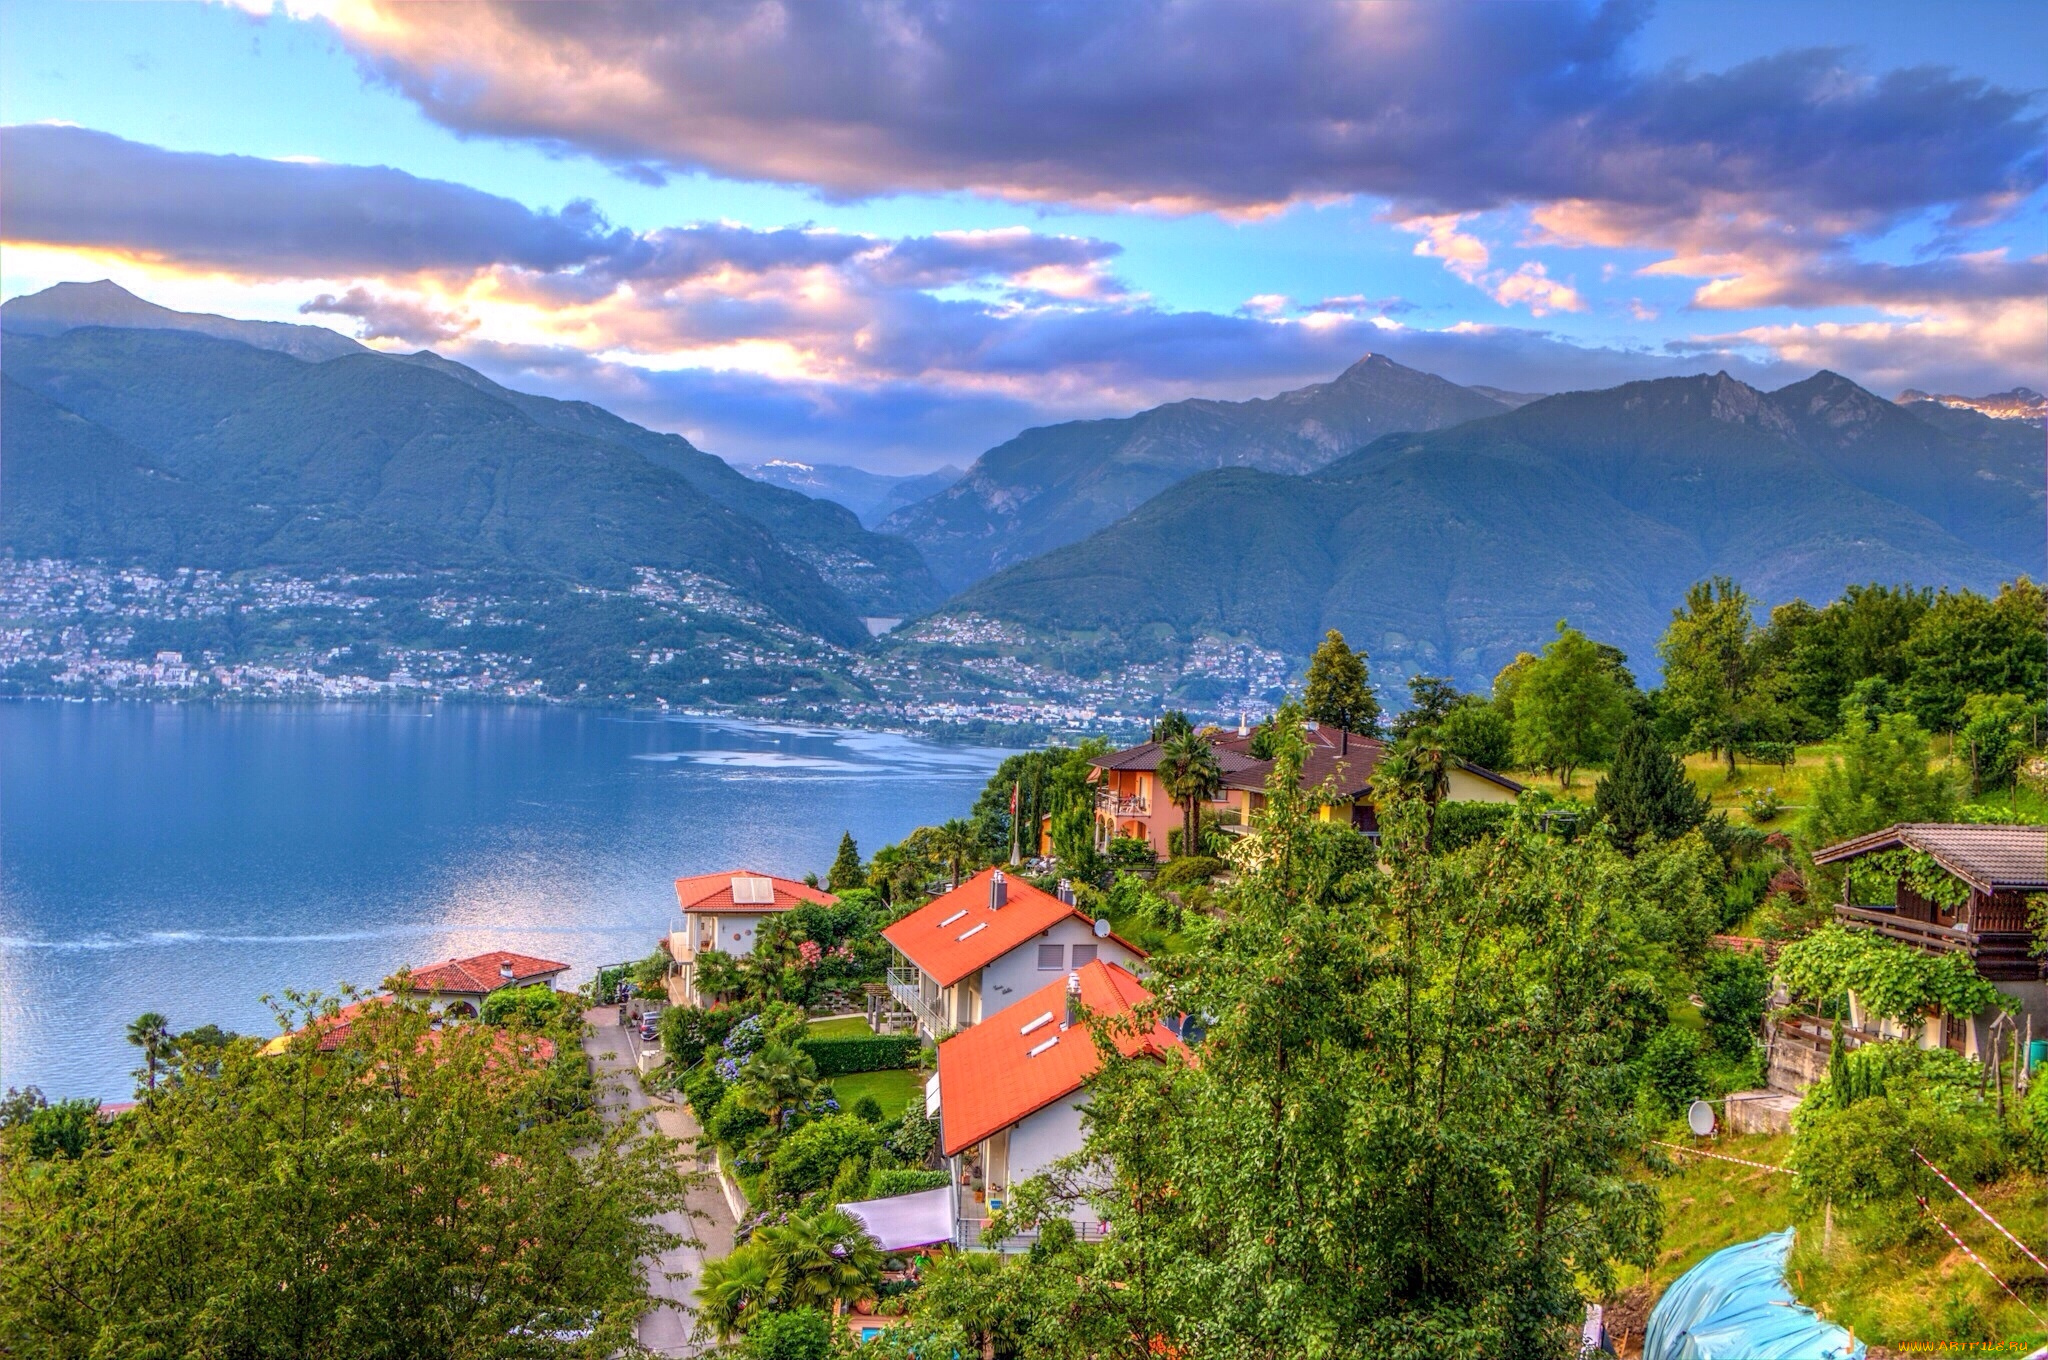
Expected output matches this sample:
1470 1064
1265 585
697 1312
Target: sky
894 234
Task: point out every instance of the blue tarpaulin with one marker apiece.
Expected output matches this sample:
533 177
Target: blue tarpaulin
1735 1306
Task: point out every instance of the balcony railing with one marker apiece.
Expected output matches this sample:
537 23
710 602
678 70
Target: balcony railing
968 1226
1887 922
1135 805
907 986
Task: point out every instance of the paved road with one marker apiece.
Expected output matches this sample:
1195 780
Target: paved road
666 1330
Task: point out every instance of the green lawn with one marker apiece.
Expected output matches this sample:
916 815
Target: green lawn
845 1027
891 1090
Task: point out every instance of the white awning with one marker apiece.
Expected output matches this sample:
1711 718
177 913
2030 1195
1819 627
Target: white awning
901 1222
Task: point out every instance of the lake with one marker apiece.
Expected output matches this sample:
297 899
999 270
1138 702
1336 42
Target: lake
190 859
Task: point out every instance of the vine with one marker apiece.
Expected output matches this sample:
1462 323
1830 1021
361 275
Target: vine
1890 979
1881 873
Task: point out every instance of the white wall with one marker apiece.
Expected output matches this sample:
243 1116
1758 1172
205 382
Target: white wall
1470 788
1016 975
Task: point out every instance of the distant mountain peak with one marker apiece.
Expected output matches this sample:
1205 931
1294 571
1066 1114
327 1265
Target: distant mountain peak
2018 403
70 306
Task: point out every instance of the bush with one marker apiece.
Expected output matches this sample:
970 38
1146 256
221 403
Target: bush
66 1129
1734 990
797 1334
732 1123
1461 824
861 1053
1188 871
1670 1068
703 1089
1860 1157
1128 854
810 1157
687 1031
904 1181
915 1135
535 1007
868 1110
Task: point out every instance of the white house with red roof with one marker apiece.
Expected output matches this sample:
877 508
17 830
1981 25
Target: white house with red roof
979 949
1010 1091
459 986
722 914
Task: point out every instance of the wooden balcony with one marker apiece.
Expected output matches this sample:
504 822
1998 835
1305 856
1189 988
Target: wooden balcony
1133 805
1887 922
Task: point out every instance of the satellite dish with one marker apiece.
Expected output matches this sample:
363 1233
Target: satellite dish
1101 928
1699 1117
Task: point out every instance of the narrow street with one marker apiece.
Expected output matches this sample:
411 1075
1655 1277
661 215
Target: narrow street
613 1051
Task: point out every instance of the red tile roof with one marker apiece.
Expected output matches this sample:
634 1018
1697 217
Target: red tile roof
956 932
997 1073
482 973
1347 757
713 893
1990 858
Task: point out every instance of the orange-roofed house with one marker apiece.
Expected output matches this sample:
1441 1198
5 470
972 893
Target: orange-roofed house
722 913
459 986
1010 1091
979 949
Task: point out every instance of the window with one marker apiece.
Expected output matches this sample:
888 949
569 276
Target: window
1084 953
1049 960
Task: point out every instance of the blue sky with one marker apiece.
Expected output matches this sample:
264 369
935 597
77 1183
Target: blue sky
839 240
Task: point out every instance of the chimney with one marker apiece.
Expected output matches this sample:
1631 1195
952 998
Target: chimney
1066 893
505 969
1244 723
998 890
1073 1000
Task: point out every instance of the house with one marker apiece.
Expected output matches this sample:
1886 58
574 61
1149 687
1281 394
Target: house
722 913
1010 1090
979 949
1130 800
459 986
1998 866
332 1031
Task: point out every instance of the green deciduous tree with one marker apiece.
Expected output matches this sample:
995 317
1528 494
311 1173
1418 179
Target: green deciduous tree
1569 706
1997 730
1822 653
1719 683
1190 774
410 1191
1479 732
1965 644
1430 700
1170 724
1339 689
1646 793
846 871
1883 775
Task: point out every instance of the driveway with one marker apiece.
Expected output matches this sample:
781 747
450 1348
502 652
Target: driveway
666 1331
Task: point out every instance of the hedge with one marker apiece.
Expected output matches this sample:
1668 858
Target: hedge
861 1053
904 1181
1459 824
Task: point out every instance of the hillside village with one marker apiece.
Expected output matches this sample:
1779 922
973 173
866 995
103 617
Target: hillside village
1038 1077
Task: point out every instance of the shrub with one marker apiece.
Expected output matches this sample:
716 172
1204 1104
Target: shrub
535 1007
1461 824
1734 990
66 1129
1671 1070
1188 870
914 1136
796 1334
687 1031
704 1088
904 1181
809 1158
861 1053
868 1110
732 1122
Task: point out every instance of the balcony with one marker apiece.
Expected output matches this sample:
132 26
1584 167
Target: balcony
1887 922
1136 805
907 986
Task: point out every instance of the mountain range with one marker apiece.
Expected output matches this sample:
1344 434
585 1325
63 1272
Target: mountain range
1058 483
1450 551
873 496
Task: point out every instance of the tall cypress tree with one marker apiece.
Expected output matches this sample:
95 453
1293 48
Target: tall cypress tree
1646 793
846 871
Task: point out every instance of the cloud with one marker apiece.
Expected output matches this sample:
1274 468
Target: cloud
391 318
1531 286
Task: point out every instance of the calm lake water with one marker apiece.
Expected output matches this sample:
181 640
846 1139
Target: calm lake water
190 859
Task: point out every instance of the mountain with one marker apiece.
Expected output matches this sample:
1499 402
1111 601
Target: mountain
67 306
878 575
360 463
873 496
1449 552
2020 403
1052 485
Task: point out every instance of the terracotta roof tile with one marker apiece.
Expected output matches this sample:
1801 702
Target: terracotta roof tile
957 932
996 1073
483 973
714 893
1989 858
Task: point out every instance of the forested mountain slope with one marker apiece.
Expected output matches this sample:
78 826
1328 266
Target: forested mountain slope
1449 552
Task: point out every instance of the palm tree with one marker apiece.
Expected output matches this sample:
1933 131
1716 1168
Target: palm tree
1419 768
777 1079
959 845
1189 773
733 1288
151 1032
817 1261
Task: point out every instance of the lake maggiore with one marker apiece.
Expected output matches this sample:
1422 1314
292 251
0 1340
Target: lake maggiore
190 859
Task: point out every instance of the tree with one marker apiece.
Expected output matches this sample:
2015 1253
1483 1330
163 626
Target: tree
777 1080
817 1260
1508 683
1718 680
1479 732
1170 724
1882 776
1190 774
1568 706
411 1191
1430 700
1646 793
151 1033
1822 653
1965 644
733 1290
1339 690
847 871
1997 730
957 844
